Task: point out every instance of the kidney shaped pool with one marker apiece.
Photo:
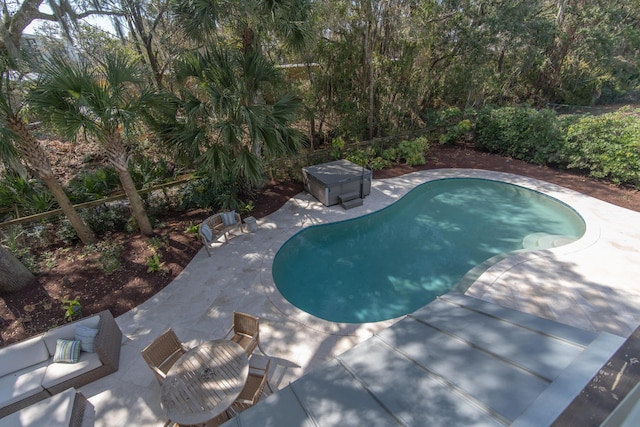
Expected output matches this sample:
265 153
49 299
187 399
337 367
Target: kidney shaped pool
396 260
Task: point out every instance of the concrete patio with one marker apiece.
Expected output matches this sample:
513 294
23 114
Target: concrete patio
590 284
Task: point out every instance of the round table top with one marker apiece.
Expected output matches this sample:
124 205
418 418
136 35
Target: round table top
204 382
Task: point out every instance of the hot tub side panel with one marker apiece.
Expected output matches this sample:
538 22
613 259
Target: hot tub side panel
315 187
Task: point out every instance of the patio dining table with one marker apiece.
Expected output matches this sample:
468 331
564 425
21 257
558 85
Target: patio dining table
204 382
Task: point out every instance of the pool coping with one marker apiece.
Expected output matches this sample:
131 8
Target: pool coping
384 192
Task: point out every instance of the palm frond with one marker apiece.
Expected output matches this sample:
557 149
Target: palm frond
8 153
248 166
199 19
216 159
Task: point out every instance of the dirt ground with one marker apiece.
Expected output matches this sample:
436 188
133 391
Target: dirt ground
73 273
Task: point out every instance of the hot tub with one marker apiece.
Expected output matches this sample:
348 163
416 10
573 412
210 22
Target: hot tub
327 182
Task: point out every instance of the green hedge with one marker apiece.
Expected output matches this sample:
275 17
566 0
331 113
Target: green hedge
522 133
607 146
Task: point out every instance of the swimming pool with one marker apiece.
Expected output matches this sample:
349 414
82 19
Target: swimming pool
394 261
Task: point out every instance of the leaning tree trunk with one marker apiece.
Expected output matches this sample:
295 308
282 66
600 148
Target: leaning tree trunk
13 275
117 155
37 160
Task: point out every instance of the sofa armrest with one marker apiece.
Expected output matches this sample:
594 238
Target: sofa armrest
108 341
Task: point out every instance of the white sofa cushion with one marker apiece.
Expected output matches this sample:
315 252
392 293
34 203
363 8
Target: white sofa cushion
22 384
22 355
53 411
60 372
67 332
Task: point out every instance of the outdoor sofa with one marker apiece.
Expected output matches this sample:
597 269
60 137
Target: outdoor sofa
32 370
66 409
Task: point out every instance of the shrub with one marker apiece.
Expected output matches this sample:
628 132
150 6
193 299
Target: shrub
412 151
357 156
147 172
390 154
337 147
193 229
102 219
607 146
154 263
448 116
109 255
28 196
27 259
72 309
93 185
457 132
66 233
520 132
198 193
379 163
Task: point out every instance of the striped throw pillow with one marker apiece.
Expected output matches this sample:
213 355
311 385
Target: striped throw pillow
67 351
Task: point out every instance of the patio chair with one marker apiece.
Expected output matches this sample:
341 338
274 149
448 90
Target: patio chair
253 388
162 353
246 332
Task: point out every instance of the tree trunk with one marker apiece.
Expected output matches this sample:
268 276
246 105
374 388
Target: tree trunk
13 275
84 233
14 25
117 155
137 206
32 152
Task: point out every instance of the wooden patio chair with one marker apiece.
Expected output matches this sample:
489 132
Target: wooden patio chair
246 332
162 353
253 388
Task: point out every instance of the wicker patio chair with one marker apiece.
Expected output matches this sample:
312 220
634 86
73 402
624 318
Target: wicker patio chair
162 353
246 332
253 388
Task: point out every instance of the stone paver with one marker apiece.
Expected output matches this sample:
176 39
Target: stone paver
590 284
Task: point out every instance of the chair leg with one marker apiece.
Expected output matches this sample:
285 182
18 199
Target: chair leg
260 348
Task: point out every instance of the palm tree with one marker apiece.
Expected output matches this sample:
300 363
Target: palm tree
230 115
224 124
251 21
104 102
18 142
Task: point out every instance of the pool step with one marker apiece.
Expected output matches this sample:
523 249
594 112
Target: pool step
545 241
350 200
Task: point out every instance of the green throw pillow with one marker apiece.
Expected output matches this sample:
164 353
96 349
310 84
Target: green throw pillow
67 351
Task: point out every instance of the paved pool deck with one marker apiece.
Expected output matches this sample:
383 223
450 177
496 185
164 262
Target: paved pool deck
591 284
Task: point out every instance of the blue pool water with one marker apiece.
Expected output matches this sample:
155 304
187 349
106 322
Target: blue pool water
394 261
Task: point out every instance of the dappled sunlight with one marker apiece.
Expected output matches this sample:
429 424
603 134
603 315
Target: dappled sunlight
253 256
267 225
534 286
564 284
